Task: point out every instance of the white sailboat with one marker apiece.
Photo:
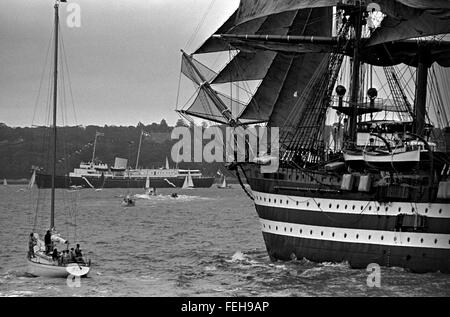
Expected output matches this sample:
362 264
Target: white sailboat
32 180
224 184
42 259
188 183
148 190
5 182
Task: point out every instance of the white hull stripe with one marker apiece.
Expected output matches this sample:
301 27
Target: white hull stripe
387 238
353 207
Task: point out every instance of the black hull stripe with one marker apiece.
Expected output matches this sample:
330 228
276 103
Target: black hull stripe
351 221
358 255
405 240
354 207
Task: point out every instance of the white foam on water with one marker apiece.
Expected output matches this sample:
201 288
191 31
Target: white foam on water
237 256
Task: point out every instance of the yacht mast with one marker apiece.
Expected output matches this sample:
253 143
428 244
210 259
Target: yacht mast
55 96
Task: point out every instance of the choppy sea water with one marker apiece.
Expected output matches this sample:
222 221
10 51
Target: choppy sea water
206 242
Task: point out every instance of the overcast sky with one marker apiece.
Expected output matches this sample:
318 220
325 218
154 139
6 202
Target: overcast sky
124 60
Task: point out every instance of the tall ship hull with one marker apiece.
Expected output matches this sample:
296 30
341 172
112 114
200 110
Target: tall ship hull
300 220
44 181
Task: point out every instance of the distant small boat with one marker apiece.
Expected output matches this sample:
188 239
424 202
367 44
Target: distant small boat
224 184
32 180
128 201
5 182
188 183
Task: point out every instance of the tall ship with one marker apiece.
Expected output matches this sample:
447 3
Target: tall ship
359 93
99 175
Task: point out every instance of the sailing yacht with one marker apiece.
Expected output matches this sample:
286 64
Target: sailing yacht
188 183
5 183
375 192
42 259
223 184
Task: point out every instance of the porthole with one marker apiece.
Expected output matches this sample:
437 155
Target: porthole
330 205
290 230
378 208
357 236
345 235
409 239
399 209
311 232
301 231
276 228
318 205
370 207
354 207
345 207
382 237
370 237
284 229
307 204
421 240
414 209
440 211
337 206
270 227
395 239
332 234
321 233
275 201
387 209
435 241
426 210
287 202
297 203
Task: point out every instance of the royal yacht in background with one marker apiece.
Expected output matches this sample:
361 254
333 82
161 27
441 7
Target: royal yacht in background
363 175
121 175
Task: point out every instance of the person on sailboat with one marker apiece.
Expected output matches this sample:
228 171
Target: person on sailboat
48 242
55 255
78 254
72 255
31 243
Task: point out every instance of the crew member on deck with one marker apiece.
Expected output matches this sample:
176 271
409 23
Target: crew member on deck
48 242
78 254
31 243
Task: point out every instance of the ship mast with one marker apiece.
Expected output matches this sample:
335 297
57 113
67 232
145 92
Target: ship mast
55 96
421 92
354 93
